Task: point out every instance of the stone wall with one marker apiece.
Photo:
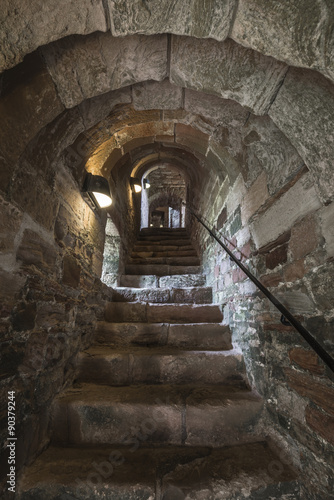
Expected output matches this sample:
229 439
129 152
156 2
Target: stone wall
279 228
51 246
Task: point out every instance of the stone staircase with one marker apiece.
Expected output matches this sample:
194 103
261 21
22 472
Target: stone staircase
161 408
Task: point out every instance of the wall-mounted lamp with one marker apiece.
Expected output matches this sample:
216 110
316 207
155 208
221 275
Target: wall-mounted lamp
97 188
146 183
135 184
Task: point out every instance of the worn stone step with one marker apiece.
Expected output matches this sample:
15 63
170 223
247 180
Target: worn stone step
140 312
161 269
191 295
153 281
144 254
162 248
135 471
170 261
164 241
209 336
214 416
102 365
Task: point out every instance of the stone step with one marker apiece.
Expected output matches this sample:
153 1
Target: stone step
145 254
164 241
161 269
189 295
169 261
136 472
213 416
162 248
163 230
153 281
105 365
210 336
140 312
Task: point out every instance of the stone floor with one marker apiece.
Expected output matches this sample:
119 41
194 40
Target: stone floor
161 408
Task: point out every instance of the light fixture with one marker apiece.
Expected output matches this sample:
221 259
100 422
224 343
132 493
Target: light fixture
135 184
97 188
146 183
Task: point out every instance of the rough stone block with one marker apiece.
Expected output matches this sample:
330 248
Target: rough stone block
10 221
153 95
294 271
38 195
191 138
118 312
226 69
308 98
135 334
254 198
41 25
277 257
103 367
27 107
300 200
71 271
183 313
33 250
321 423
228 416
153 411
201 336
306 386
138 281
327 228
304 237
189 17
100 60
323 287
308 360
294 32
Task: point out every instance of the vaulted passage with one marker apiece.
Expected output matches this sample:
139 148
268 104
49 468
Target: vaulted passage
145 364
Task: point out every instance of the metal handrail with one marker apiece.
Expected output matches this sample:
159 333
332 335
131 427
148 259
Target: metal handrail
321 352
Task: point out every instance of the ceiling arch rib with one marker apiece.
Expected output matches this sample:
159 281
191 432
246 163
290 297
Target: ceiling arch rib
298 33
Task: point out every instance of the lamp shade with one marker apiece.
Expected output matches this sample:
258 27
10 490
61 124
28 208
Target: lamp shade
97 188
146 183
135 184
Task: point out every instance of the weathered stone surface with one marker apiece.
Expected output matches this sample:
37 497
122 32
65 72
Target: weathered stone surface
126 312
294 271
97 108
269 149
304 237
100 365
323 287
308 98
184 313
308 360
27 107
277 256
200 335
226 69
190 17
327 228
33 250
228 410
321 423
10 220
134 410
306 386
160 269
38 195
214 108
71 271
27 26
254 197
139 281
153 95
299 33
131 334
300 200
100 61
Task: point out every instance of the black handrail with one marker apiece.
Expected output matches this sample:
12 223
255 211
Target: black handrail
322 353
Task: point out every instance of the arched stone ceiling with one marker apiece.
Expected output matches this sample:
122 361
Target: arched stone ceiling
85 70
299 33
